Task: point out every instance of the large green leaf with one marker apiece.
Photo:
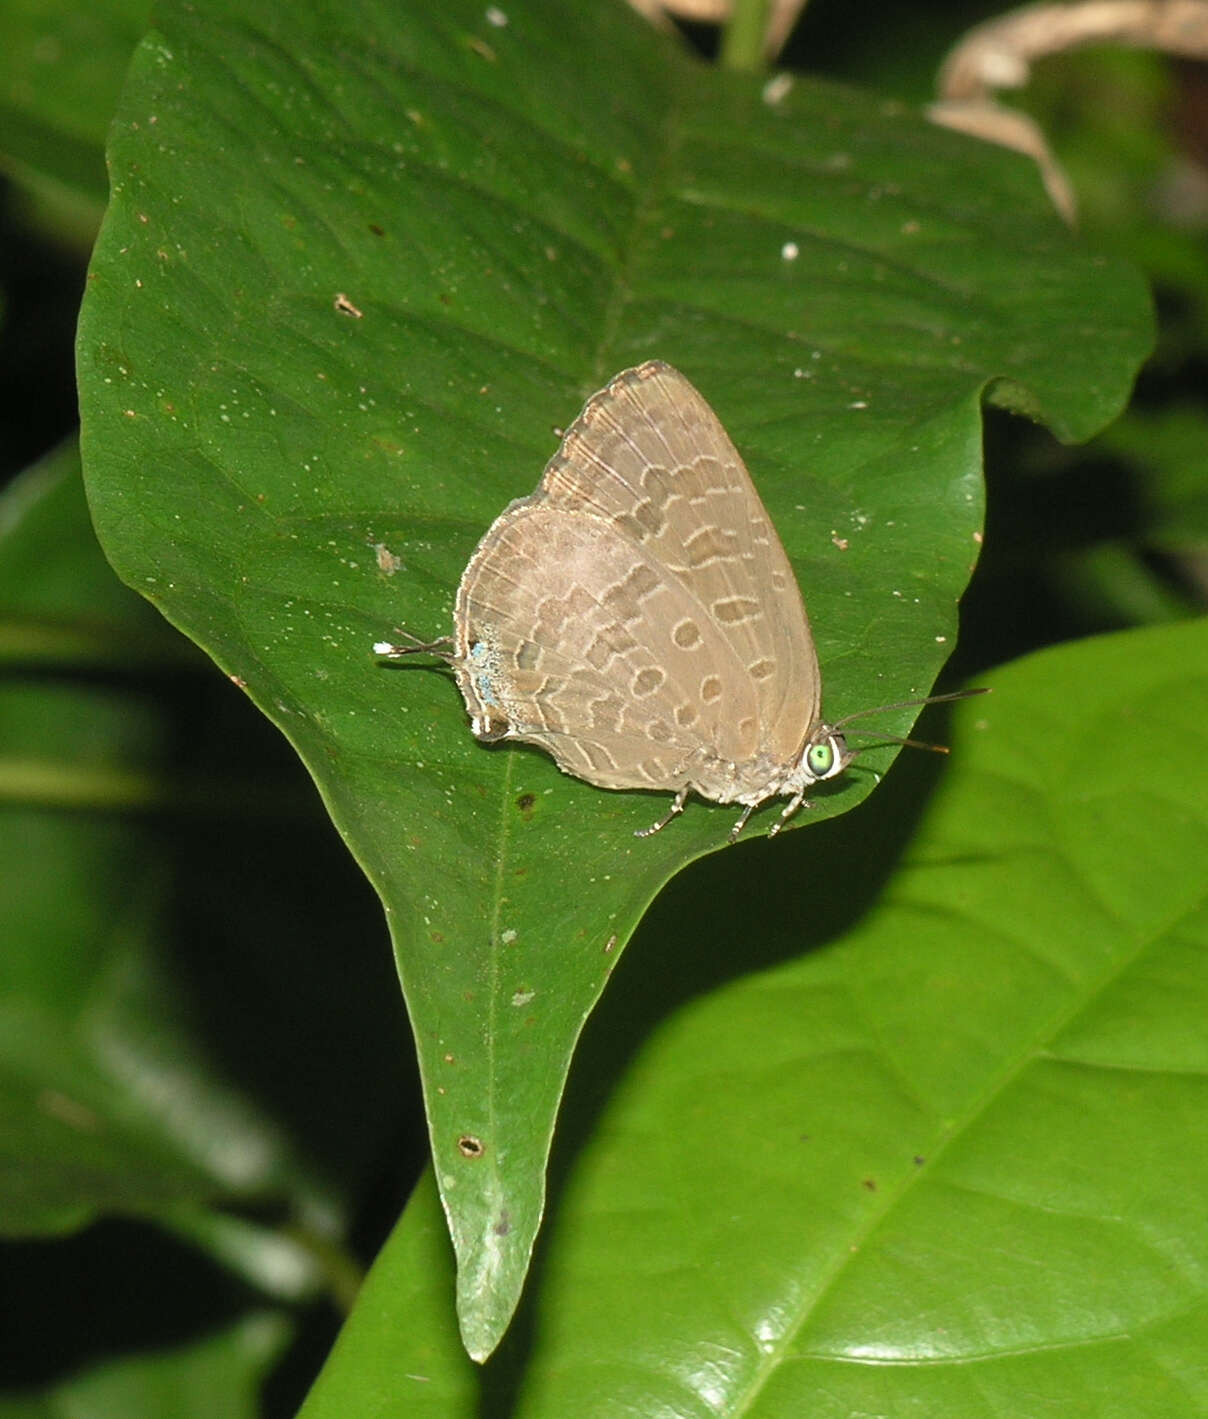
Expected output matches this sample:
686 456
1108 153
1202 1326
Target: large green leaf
361 259
939 1149
96 1055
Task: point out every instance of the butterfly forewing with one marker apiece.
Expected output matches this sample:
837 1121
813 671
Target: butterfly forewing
649 455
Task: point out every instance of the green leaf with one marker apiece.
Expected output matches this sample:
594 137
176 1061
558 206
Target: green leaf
166 934
932 1145
61 70
222 1373
60 603
1169 447
107 1097
360 261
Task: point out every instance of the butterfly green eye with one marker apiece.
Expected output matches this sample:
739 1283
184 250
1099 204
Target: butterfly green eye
820 758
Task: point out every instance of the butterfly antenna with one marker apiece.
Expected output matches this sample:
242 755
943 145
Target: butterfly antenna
896 739
442 646
911 704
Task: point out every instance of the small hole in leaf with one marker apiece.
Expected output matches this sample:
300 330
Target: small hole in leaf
469 1146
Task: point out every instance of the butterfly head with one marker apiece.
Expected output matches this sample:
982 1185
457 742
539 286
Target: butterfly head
825 752
824 755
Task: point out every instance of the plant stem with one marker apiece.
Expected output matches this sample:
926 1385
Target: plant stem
742 39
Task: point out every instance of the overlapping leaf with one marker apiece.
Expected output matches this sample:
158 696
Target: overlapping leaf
934 1143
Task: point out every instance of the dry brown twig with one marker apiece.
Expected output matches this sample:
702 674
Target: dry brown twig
999 54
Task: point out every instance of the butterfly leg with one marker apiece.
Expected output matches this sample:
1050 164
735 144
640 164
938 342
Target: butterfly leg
797 800
742 822
677 807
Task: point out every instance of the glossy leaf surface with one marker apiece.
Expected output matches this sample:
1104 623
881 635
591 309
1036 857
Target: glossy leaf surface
936 1143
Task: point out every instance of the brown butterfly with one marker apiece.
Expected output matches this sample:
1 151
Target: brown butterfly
638 619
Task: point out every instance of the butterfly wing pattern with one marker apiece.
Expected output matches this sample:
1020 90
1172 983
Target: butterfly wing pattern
637 616
649 455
